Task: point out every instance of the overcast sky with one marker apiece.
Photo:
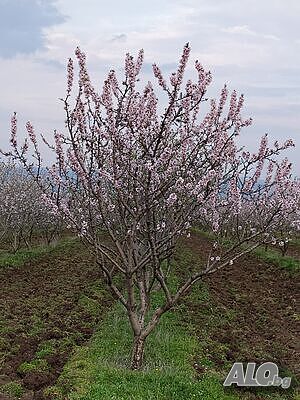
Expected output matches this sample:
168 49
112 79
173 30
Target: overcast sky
252 45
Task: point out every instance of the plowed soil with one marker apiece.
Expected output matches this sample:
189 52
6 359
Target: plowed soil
50 305
262 301
44 313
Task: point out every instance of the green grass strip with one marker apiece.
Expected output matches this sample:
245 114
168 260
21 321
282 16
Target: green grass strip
18 258
99 371
274 257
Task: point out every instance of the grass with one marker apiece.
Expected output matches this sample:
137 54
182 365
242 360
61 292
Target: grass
296 242
45 349
100 370
274 257
34 365
18 258
288 263
13 389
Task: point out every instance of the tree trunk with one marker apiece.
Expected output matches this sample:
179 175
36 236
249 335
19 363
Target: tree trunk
137 353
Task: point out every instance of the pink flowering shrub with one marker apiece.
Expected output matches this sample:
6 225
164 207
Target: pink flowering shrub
146 177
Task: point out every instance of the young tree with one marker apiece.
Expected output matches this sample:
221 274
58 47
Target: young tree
146 178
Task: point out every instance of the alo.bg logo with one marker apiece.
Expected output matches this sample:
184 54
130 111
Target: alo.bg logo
265 375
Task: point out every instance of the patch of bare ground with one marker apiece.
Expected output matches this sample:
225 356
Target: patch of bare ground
250 315
47 306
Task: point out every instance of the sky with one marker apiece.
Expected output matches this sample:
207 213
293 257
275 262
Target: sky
252 45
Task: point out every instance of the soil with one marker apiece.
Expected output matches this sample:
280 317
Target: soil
250 315
294 251
40 305
258 312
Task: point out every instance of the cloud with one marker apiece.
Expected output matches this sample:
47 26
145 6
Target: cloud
22 23
119 38
250 44
245 30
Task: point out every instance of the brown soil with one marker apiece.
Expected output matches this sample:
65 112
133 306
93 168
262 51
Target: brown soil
261 302
40 305
294 251
249 315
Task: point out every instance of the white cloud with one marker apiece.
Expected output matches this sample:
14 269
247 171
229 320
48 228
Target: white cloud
245 30
252 45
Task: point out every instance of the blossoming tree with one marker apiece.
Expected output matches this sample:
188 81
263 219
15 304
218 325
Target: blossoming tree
251 212
146 176
23 217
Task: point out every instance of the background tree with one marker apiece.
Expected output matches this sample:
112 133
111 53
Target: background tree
256 209
145 177
24 218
